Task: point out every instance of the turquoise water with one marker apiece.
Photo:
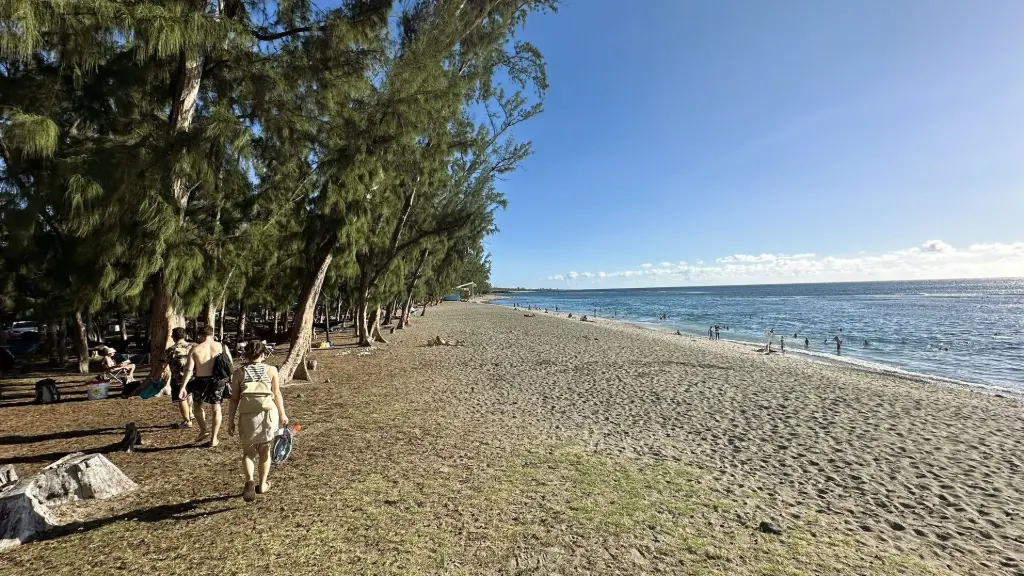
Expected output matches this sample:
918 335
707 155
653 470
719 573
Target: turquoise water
965 330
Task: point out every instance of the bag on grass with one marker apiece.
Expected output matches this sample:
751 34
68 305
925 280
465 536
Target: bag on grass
131 388
152 389
47 392
131 439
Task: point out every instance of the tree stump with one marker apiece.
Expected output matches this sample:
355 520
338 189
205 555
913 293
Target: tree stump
24 511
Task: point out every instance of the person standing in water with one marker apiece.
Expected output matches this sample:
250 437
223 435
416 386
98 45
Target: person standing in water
256 398
839 344
807 342
206 387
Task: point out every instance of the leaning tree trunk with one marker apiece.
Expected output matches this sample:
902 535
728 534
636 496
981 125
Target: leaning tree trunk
302 326
388 312
81 343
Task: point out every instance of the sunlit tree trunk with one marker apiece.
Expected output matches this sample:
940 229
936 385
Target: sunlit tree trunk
302 325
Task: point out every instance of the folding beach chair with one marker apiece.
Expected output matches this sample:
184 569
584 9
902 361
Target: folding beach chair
117 374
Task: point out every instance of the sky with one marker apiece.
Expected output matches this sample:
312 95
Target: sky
696 142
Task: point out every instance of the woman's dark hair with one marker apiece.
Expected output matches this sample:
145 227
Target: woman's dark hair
253 350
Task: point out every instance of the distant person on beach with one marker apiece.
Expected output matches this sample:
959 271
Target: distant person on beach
807 343
839 344
256 398
782 344
718 336
771 340
678 333
570 314
711 332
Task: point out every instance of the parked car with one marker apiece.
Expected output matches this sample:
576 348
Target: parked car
19 328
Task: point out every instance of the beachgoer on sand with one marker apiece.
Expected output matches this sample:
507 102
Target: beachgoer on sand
211 363
782 344
256 397
711 332
176 359
718 335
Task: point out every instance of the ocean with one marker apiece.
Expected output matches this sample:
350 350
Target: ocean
967 331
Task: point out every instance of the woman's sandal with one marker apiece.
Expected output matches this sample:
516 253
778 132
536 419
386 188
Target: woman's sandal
260 490
249 492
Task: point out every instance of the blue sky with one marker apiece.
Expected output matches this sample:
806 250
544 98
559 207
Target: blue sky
873 139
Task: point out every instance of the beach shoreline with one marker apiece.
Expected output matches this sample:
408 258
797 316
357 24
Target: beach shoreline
848 362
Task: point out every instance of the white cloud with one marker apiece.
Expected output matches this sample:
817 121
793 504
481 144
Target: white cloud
931 259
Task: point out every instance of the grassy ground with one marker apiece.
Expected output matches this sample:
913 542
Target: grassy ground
388 479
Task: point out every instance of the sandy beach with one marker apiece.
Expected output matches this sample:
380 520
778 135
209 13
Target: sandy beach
552 446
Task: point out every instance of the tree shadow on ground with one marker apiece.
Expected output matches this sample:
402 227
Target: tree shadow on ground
179 512
69 434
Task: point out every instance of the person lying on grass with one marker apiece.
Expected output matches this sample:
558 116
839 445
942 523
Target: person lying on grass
256 397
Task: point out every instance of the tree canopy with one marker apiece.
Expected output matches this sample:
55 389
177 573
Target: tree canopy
164 157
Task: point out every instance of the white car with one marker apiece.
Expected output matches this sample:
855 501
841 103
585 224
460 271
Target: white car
19 328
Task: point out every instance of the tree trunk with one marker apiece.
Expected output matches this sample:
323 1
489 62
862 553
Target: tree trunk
242 312
407 309
122 326
223 308
327 320
81 343
163 317
302 327
62 342
210 315
284 320
362 308
276 316
375 327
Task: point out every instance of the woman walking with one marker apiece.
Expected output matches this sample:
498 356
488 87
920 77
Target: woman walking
256 397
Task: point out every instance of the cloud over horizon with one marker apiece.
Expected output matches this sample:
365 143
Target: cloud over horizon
930 259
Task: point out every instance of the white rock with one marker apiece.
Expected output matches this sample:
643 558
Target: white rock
22 514
24 511
82 476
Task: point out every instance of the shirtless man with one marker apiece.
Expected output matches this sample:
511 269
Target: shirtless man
204 388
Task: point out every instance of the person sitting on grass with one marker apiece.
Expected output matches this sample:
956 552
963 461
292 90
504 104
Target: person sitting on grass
256 398
109 362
